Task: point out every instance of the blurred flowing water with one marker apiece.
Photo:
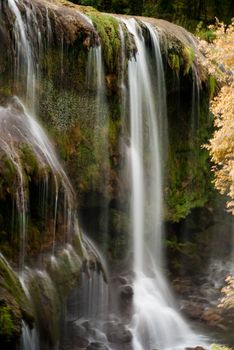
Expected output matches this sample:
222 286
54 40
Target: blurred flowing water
156 321
85 312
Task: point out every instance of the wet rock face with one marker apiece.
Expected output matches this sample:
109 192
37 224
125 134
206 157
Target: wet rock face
118 333
122 294
97 346
14 305
85 335
207 302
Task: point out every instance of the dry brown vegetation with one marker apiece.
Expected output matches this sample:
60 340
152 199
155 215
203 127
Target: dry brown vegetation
221 147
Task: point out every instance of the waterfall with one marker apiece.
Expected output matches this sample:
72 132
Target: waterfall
26 55
156 322
29 338
123 135
19 125
23 136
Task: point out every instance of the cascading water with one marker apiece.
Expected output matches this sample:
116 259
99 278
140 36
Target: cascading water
156 322
18 126
85 315
20 129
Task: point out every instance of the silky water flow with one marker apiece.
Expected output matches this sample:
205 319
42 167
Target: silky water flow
156 321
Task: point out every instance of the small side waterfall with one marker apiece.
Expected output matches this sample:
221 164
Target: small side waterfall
22 138
29 338
96 85
156 322
20 128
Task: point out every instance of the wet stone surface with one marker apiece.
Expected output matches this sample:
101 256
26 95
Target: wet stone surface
118 333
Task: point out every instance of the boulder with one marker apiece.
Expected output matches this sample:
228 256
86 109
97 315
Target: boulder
117 332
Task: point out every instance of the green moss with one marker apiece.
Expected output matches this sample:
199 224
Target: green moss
187 183
108 30
205 33
28 159
46 305
65 272
219 347
189 177
188 57
8 176
180 57
119 227
5 91
174 61
10 282
212 86
6 323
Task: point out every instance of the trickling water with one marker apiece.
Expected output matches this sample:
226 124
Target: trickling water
25 62
29 338
96 81
122 72
90 299
20 127
96 85
156 323
17 127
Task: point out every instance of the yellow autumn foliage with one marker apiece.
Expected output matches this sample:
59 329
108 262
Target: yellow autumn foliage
221 147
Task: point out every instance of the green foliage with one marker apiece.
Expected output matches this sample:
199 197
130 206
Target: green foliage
6 323
205 33
188 173
121 6
219 347
183 255
188 180
94 3
212 86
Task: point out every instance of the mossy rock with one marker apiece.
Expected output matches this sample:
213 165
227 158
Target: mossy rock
14 304
108 29
10 319
46 306
65 271
10 282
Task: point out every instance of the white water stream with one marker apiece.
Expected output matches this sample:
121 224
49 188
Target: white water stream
156 322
